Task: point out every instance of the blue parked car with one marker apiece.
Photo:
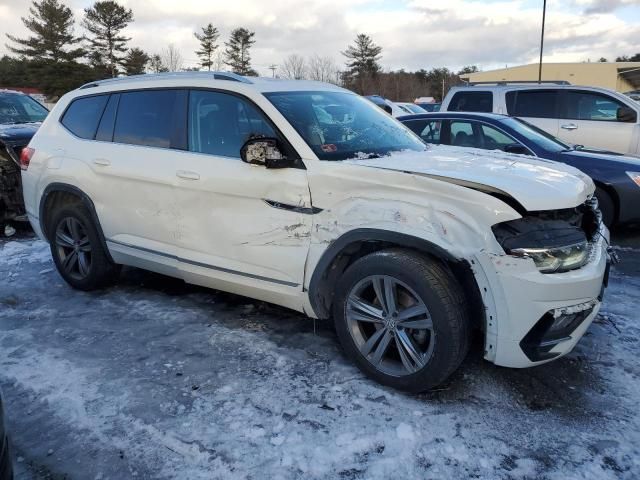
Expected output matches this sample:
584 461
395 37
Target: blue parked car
617 177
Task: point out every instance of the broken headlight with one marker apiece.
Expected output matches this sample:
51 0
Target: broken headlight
557 241
557 259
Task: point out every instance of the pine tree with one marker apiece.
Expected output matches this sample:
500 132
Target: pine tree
237 52
105 20
208 45
156 65
51 23
363 56
135 62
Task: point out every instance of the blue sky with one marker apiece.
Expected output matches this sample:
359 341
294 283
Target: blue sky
413 33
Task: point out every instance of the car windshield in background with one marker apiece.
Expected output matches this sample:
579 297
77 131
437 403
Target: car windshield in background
341 126
536 135
16 108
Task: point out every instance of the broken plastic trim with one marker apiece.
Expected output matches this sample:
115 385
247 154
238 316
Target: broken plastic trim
292 208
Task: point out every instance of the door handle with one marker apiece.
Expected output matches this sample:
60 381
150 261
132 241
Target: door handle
187 175
570 126
103 162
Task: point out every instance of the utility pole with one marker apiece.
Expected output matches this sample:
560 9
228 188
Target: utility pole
544 14
443 88
273 67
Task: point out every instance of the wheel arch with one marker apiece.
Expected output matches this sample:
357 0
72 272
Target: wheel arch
357 243
60 193
613 195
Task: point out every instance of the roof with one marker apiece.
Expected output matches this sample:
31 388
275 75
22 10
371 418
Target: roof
470 115
178 79
26 90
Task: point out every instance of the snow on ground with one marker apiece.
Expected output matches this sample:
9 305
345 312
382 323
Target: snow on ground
157 379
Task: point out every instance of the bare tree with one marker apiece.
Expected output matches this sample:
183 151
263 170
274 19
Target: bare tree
172 58
293 67
322 69
217 62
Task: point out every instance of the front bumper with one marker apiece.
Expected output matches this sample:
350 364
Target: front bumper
521 297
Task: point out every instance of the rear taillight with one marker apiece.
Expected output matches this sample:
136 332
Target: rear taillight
25 157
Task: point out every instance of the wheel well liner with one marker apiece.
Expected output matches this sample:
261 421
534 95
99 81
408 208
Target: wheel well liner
49 195
357 243
611 191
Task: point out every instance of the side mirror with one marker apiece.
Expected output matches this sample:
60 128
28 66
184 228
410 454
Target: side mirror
626 115
516 148
263 151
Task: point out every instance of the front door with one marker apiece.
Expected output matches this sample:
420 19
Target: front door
591 119
243 228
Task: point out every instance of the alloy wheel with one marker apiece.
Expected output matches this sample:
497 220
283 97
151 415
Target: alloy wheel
73 247
390 325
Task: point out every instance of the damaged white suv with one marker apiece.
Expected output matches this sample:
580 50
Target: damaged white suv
308 196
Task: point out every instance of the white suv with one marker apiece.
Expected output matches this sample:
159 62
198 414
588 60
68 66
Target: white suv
590 116
309 196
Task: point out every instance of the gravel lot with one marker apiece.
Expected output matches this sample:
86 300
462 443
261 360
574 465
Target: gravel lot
157 379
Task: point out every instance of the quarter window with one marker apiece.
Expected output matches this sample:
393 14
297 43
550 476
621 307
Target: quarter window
429 131
147 118
533 103
83 115
220 123
592 106
471 102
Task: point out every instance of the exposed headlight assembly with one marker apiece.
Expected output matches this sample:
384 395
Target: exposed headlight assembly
635 176
556 241
557 259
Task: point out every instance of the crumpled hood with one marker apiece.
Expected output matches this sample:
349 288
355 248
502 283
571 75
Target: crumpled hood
534 183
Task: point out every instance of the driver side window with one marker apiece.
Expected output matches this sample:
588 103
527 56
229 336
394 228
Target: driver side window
220 123
495 139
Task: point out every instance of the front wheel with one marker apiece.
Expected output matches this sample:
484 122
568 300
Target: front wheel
402 318
77 250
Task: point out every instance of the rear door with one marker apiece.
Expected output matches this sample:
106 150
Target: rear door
539 107
133 159
591 119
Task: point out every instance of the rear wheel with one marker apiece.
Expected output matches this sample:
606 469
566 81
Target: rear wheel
77 250
607 207
402 318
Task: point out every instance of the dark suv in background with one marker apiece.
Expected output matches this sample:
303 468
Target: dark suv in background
20 118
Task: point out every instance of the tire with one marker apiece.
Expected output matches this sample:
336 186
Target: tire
77 250
430 298
607 207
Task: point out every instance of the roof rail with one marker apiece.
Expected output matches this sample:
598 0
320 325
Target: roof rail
234 77
520 82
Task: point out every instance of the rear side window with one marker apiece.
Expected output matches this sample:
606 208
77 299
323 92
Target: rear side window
147 118
83 115
533 103
471 102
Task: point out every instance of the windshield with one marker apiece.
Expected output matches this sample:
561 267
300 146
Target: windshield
536 135
17 108
341 126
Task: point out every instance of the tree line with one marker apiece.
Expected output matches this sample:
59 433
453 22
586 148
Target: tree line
54 59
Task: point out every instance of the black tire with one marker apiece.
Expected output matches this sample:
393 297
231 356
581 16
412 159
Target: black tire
607 207
99 271
443 297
